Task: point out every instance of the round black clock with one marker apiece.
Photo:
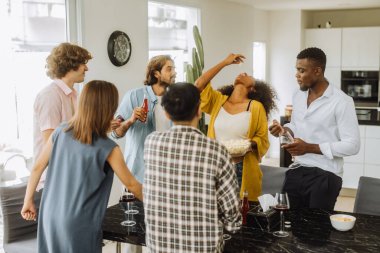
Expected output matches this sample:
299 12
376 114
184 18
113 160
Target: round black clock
119 48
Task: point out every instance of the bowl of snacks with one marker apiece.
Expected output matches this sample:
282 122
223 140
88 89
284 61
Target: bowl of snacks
342 222
238 147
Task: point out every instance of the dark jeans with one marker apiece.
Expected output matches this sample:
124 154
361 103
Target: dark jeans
312 187
239 172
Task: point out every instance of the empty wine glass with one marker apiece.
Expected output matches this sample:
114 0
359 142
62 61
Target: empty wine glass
282 205
286 138
126 199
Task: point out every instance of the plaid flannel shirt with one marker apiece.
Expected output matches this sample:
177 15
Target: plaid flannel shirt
190 192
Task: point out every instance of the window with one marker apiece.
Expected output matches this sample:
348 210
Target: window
171 32
32 28
259 60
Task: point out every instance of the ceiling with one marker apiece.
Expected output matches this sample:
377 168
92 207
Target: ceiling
310 4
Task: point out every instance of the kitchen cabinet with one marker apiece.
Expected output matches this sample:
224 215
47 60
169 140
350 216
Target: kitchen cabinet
361 48
333 75
367 161
352 174
353 167
329 40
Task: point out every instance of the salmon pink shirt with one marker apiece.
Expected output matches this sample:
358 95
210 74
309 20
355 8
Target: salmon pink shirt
55 104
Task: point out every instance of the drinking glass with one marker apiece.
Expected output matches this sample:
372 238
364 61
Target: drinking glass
286 138
282 205
127 198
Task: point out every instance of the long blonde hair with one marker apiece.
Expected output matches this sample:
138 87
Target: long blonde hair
97 105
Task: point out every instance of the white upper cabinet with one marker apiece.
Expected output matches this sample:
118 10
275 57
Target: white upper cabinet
360 48
333 74
329 40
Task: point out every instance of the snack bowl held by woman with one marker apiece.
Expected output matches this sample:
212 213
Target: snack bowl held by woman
237 147
342 222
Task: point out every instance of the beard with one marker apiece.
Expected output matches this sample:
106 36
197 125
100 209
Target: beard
166 83
304 88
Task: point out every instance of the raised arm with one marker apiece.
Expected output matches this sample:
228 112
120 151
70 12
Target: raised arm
116 160
206 77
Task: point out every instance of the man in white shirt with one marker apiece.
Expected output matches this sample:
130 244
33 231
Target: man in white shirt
325 128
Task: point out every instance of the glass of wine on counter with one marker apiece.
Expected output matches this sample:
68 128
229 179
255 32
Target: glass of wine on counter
281 206
126 200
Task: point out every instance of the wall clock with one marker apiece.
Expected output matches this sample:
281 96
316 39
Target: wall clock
119 48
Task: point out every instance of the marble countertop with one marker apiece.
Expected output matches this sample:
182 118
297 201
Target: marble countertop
310 231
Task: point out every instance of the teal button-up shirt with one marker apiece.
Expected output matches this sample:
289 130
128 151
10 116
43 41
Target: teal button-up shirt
136 134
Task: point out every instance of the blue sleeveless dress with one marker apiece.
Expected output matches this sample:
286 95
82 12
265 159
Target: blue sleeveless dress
75 196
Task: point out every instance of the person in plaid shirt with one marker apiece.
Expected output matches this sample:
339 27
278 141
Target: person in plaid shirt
190 187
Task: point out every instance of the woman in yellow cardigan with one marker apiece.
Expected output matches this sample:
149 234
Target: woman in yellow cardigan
239 111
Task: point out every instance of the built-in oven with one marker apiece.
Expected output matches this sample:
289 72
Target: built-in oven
367 114
362 86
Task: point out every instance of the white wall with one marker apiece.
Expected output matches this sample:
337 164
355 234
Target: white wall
285 44
225 28
100 18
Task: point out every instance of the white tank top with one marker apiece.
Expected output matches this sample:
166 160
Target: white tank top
231 126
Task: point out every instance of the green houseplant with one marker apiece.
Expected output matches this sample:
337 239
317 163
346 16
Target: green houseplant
194 71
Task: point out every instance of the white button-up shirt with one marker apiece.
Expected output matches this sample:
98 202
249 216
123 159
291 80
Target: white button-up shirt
329 121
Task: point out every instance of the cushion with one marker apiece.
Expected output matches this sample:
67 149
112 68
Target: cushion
11 199
273 179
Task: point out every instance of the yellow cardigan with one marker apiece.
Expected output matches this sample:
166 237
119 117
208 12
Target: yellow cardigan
211 102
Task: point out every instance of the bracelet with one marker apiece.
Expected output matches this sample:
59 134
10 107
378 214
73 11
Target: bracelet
115 135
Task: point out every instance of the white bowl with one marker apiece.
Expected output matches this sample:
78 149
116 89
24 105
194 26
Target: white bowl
237 147
342 222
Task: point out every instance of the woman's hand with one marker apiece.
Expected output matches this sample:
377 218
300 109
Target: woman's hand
115 123
29 211
234 59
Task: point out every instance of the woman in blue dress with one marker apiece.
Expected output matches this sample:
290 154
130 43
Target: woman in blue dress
82 161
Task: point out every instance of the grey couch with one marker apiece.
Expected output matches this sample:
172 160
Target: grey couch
19 236
273 179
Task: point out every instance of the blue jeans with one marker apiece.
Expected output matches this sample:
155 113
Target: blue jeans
239 172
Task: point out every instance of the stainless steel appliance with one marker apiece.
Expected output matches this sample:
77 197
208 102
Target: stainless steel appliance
362 86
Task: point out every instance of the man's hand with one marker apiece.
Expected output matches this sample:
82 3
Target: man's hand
138 114
276 129
300 147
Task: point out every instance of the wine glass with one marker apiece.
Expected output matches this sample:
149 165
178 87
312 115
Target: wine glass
282 205
286 138
127 198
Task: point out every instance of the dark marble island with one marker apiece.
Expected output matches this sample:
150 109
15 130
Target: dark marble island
310 231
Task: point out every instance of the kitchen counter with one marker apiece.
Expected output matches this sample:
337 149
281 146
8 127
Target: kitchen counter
310 231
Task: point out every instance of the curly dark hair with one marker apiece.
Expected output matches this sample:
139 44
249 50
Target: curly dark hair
64 58
264 93
314 54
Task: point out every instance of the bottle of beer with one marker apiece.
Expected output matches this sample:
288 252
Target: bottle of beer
245 207
145 104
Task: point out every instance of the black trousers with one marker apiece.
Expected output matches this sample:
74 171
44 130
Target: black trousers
312 187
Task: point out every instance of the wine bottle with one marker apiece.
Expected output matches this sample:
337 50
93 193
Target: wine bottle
245 207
